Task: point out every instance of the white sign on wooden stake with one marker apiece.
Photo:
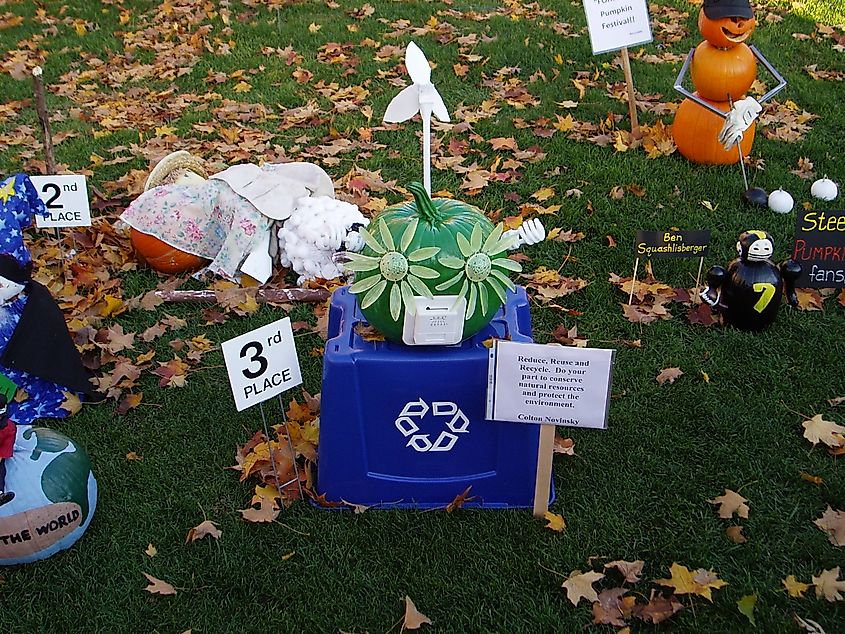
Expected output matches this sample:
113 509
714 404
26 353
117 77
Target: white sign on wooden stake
552 385
616 24
66 198
262 363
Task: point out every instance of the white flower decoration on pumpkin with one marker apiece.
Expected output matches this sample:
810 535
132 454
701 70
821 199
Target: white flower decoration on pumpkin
478 268
396 270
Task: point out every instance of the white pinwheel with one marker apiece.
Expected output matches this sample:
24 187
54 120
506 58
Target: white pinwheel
422 97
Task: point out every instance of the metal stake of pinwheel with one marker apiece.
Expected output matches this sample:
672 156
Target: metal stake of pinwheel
422 97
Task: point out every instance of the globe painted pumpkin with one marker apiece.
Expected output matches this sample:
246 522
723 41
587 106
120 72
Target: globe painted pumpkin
161 256
427 247
696 133
722 74
55 496
725 32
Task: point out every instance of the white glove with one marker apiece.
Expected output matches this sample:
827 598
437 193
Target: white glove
739 119
529 232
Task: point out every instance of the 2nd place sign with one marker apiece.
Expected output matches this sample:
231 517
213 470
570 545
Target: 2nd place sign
66 198
262 363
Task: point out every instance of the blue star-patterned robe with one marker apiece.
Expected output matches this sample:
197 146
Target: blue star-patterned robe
45 398
19 203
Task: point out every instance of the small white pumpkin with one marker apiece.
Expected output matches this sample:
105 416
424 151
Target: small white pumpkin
781 202
825 189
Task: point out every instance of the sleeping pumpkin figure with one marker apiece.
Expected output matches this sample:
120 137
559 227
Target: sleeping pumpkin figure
715 124
748 292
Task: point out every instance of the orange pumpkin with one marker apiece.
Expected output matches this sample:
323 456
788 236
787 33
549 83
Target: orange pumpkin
719 73
163 257
725 32
696 131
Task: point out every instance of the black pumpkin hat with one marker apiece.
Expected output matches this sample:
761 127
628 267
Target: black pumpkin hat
717 9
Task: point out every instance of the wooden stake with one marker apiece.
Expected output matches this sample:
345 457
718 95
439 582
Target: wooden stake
696 299
632 99
44 118
542 487
263 295
633 281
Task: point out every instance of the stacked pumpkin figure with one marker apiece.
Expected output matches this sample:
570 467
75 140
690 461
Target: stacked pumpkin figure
722 69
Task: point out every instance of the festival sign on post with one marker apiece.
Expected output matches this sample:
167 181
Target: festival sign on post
616 24
262 363
820 248
66 198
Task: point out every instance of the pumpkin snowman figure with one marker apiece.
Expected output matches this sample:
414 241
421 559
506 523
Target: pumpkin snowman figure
748 292
715 125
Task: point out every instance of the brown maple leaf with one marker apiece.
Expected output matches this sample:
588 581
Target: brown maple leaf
833 523
580 586
157 586
630 570
565 446
611 608
413 618
658 608
828 585
734 533
729 503
206 528
809 299
818 430
460 500
669 375
265 513
130 401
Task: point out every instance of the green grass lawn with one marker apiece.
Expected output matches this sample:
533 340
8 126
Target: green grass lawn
127 80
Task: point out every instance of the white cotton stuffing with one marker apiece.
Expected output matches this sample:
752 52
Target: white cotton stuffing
314 232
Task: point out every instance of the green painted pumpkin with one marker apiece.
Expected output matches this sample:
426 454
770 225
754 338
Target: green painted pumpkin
427 247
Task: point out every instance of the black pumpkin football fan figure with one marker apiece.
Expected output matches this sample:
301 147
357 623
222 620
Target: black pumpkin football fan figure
748 293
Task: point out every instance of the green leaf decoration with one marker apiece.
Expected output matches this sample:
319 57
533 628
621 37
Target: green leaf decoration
386 236
373 294
450 282
395 302
464 245
358 262
423 254
503 245
483 297
461 294
364 285
504 279
408 297
371 242
451 262
497 288
507 263
493 238
424 272
475 238
473 297
418 286
408 235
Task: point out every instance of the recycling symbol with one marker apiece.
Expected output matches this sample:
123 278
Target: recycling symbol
415 411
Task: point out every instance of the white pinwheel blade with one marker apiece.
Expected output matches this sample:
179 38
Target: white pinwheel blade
438 108
417 64
403 106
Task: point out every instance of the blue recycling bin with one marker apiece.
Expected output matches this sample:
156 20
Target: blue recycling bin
404 426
